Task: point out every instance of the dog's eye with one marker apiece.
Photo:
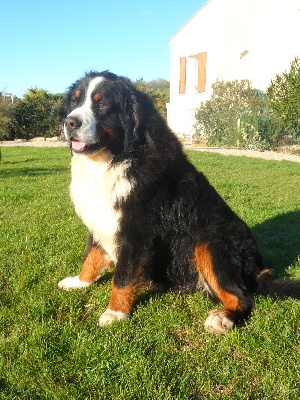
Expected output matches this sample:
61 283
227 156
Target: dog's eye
76 97
97 99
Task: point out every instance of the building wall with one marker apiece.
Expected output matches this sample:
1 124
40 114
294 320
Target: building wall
201 34
243 39
269 30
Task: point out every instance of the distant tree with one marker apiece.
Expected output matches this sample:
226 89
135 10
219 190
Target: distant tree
158 89
6 108
284 97
36 114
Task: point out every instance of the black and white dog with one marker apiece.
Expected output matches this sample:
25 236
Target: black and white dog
150 212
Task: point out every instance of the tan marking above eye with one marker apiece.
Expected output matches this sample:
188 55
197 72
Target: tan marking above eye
97 96
77 94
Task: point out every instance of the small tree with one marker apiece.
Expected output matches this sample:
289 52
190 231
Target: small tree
36 114
6 109
284 98
159 89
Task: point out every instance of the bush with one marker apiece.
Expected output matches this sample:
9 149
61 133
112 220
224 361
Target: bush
260 130
35 115
236 115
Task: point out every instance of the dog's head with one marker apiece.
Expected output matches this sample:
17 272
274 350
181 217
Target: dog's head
103 110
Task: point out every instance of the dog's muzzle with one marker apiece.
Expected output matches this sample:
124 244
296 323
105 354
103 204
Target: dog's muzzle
72 123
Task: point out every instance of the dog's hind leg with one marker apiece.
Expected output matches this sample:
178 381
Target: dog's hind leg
237 302
95 263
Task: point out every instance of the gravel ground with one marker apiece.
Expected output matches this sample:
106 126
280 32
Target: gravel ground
267 155
35 143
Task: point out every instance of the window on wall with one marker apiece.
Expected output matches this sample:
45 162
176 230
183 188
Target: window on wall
191 83
193 74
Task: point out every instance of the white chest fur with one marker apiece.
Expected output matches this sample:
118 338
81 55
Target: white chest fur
95 188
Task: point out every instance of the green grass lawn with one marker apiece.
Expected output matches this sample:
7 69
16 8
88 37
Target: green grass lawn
50 345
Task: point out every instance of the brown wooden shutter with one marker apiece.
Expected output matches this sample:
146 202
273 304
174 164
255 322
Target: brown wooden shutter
201 72
182 82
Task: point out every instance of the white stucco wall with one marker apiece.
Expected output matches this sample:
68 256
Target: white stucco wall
201 33
268 30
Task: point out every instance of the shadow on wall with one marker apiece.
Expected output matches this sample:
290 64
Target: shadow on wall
279 241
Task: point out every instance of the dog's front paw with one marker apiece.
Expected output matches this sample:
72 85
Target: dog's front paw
72 282
110 316
218 323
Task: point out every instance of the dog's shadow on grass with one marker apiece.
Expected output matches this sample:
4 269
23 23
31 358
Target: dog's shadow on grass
279 241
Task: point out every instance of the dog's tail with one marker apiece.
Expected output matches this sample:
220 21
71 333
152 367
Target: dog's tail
267 285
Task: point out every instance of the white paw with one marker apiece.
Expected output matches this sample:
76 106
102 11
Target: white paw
110 316
72 282
218 323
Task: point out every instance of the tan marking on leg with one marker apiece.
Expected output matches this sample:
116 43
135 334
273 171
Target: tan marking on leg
122 299
204 265
94 264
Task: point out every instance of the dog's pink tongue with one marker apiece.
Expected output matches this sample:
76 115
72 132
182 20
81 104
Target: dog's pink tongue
77 146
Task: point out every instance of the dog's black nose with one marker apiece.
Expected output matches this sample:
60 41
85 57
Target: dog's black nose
72 123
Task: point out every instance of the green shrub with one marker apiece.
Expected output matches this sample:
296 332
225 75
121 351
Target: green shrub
260 130
35 115
236 116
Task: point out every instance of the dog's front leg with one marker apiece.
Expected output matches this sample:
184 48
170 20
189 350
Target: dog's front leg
96 261
121 303
126 285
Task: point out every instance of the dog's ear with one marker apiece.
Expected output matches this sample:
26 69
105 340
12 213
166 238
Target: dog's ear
139 112
138 115
132 115
148 123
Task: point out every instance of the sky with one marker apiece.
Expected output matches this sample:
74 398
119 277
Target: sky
49 44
